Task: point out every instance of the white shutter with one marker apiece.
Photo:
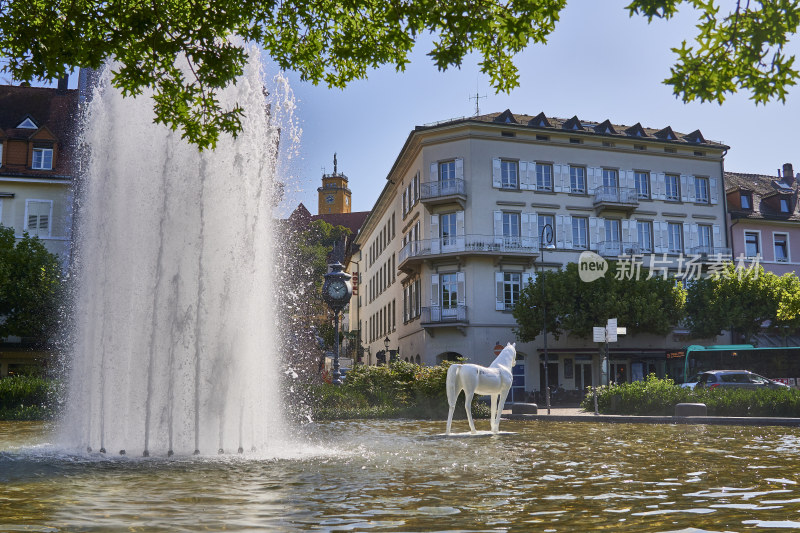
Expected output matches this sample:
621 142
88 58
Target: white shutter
524 179
660 237
594 233
526 279
594 173
404 203
526 230
557 178
567 232
655 193
687 236
662 186
436 315
460 230
416 188
712 183
459 169
694 237
684 196
691 193
496 176
500 299
717 236
626 231
434 234
498 227
461 297
434 177
560 233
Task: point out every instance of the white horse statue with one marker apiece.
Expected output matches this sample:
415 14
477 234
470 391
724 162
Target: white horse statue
475 379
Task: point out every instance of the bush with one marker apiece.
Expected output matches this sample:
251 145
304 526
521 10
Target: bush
656 396
28 398
397 390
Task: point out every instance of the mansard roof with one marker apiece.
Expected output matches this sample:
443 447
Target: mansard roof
762 187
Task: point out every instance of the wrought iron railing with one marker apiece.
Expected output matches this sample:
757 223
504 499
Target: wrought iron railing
437 189
616 195
469 243
439 314
711 252
617 248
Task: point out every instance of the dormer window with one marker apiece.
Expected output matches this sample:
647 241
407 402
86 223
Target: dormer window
42 159
27 124
784 205
746 200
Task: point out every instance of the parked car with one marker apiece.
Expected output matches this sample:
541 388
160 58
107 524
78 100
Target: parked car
691 382
739 379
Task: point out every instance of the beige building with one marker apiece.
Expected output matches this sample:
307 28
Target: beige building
455 234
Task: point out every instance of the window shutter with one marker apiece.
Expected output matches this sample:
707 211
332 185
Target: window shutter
716 236
560 232
434 290
593 176
461 297
526 230
500 299
416 187
557 178
660 237
687 236
434 234
662 185
714 193
526 279
498 227
567 232
691 193
594 233
496 177
434 172
460 230
524 179
405 199
459 169
653 180
695 237
626 232
684 196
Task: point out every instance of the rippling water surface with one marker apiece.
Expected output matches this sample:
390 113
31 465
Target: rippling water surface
403 476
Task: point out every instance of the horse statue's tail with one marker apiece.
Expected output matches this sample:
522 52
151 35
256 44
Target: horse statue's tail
452 384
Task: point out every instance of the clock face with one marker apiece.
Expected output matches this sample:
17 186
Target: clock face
337 290
329 198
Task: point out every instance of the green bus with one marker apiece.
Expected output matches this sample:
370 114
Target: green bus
778 363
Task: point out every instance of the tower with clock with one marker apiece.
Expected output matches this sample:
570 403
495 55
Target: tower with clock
334 196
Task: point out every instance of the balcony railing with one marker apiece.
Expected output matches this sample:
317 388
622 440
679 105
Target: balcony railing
437 189
618 248
440 314
616 195
711 252
469 243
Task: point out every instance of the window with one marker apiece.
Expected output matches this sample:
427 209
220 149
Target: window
784 205
575 140
547 220
704 239
542 137
447 229
544 177
746 200
644 236
511 225
580 238
673 187
612 232
449 293
781 242
577 179
447 171
511 288
42 158
37 217
701 190
608 144
639 147
610 178
751 247
509 174
642 182
675 237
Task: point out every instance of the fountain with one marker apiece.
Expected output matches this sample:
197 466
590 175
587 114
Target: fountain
174 347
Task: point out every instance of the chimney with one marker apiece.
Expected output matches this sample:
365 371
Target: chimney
63 84
788 173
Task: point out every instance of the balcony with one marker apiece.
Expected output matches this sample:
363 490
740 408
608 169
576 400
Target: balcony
711 254
618 248
624 199
437 317
443 192
415 252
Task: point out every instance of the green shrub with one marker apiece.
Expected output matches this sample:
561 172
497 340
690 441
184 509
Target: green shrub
655 396
28 398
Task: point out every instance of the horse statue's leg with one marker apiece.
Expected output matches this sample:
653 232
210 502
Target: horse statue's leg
468 407
453 390
501 401
493 414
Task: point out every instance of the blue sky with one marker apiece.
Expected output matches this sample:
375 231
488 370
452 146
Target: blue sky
599 63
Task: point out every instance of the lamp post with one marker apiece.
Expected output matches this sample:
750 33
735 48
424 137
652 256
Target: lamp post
546 236
336 291
386 350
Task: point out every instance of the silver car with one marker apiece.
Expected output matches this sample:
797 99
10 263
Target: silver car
739 379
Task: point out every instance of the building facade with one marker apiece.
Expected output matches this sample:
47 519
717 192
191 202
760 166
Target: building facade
764 219
455 234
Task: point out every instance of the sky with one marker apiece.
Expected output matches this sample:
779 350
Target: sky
598 64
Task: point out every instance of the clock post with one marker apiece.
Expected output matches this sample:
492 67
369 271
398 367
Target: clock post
336 291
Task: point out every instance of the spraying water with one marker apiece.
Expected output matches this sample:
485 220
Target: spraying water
175 348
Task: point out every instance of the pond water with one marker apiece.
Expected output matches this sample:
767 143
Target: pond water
404 476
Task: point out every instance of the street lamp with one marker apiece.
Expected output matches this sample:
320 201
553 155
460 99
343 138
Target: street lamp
386 343
336 291
546 242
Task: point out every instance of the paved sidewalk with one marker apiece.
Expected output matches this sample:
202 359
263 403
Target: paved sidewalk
576 414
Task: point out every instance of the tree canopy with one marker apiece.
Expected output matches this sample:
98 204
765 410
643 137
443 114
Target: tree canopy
741 48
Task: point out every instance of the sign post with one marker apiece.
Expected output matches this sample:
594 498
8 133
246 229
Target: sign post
604 335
